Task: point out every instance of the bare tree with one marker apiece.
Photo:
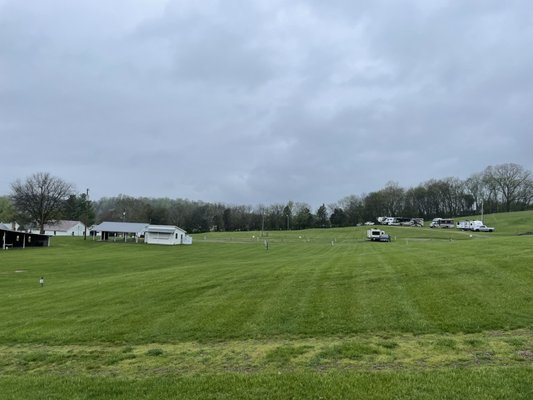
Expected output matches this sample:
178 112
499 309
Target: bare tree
393 197
475 187
509 181
40 197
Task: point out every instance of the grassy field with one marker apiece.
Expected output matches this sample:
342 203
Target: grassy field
321 314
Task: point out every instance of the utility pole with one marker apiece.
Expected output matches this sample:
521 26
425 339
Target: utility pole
86 213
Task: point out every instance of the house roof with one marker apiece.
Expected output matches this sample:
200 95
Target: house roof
122 227
63 225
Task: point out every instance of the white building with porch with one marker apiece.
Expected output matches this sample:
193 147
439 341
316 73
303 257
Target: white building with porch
166 234
122 231
63 228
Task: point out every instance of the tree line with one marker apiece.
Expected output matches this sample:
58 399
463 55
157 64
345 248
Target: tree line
501 188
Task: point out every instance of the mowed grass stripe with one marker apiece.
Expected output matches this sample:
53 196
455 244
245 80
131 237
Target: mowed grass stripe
473 384
477 284
214 291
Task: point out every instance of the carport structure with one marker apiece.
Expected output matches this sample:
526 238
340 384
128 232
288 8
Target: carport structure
120 230
19 239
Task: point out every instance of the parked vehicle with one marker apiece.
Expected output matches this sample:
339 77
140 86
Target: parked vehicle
377 235
391 221
416 222
381 220
401 221
442 223
476 226
405 221
483 228
464 225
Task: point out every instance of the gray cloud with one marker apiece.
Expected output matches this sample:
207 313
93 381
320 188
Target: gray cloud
261 102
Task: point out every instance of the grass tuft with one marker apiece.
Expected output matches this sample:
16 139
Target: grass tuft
155 352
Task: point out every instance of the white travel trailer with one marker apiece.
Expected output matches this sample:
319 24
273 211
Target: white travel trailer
468 225
391 221
476 226
464 225
377 235
401 221
442 223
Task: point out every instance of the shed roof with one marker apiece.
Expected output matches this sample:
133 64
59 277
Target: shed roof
164 228
122 227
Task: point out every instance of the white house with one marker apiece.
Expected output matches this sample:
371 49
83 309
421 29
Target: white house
166 234
14 226
63 228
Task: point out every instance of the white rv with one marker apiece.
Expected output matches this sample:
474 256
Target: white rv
476 226
377 235
464 225
402 221
442 223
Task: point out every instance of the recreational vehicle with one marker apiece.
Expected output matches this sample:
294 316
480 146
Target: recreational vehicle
442 223
476 226
377 235
403 221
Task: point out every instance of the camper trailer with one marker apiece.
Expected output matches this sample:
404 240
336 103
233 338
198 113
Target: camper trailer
464 225
442 223
377 235
401 221
476 226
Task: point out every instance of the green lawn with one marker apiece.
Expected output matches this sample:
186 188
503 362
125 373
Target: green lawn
320 314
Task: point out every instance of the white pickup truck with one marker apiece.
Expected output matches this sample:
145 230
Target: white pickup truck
483 228
377 235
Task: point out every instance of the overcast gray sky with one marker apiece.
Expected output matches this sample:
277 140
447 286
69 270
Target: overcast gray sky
265 101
